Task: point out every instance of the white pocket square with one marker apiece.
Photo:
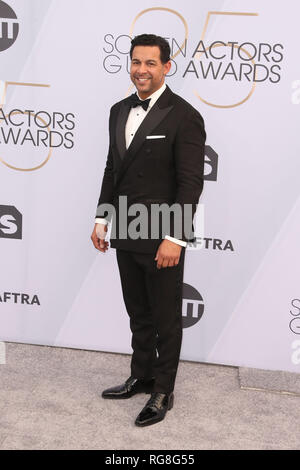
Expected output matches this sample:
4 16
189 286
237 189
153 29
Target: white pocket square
155 137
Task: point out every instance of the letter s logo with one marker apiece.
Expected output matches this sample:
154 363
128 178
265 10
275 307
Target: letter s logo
8 224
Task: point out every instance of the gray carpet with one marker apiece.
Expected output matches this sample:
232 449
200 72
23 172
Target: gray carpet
278 381
50 398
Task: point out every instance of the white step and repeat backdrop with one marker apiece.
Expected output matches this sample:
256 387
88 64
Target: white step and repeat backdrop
63 64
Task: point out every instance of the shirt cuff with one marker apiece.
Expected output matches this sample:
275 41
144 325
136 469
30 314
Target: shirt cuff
99 220
175 240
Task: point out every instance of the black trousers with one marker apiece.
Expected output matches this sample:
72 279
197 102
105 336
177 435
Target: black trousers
153 300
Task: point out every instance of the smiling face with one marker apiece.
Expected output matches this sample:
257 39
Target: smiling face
147 72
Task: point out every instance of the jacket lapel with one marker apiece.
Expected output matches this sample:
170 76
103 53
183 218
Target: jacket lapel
120 127
156 114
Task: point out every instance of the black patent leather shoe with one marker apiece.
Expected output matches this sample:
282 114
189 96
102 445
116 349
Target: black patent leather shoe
129 388
155 409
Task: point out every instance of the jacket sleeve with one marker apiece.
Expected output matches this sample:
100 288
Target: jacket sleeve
189 167
107 187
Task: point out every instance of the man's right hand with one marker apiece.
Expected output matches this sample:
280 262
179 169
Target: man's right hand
98 237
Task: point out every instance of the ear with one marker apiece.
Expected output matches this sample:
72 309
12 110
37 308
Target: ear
167 67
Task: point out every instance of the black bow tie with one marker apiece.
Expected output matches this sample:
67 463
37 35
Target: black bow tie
135 101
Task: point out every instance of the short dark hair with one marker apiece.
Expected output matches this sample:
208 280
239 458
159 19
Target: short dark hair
152 40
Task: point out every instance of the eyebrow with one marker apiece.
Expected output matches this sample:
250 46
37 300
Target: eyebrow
149 60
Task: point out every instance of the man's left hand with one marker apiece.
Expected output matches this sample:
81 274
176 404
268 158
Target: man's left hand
168 254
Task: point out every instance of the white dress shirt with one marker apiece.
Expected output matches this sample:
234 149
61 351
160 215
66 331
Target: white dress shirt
137 115
135 118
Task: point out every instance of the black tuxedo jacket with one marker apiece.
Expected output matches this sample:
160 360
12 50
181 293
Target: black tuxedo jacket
154 171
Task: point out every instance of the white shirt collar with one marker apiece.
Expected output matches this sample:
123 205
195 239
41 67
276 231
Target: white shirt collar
154 97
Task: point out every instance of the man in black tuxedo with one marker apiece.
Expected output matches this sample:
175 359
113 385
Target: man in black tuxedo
156 156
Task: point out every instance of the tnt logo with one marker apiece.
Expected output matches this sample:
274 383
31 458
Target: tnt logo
10 222
192 306
9 26
210 164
